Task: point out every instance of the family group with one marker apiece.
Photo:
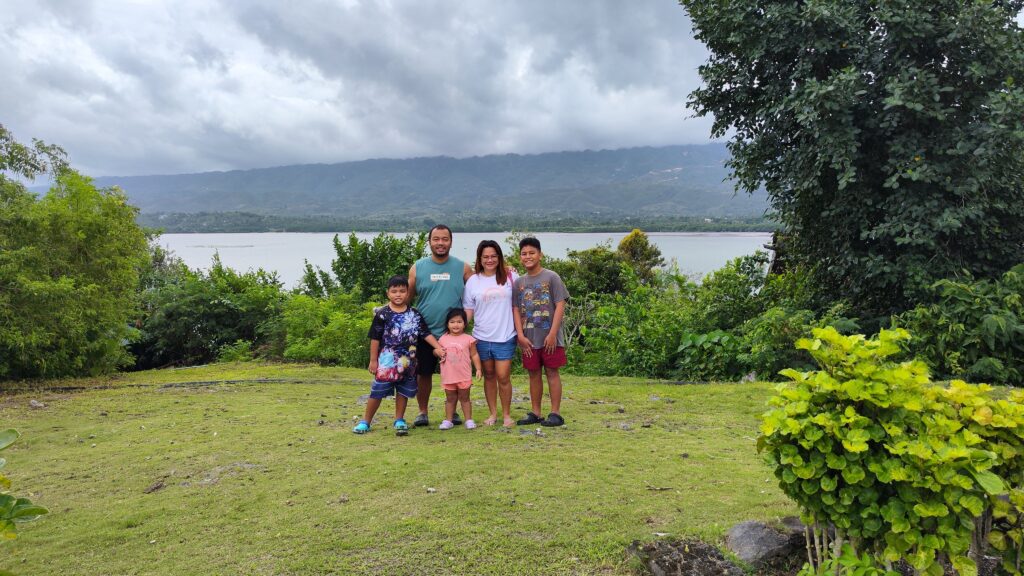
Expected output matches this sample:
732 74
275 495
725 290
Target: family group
408 345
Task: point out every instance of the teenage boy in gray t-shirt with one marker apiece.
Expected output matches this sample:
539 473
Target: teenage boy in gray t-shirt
538 299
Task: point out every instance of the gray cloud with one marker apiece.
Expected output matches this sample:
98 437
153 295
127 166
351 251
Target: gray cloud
141 88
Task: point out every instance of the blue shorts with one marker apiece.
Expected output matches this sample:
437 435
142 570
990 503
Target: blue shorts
496 350
406 387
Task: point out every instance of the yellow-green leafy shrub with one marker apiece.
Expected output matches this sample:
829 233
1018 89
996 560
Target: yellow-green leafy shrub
899 466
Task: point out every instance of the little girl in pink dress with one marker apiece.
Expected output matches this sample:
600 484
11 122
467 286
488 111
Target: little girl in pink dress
457 368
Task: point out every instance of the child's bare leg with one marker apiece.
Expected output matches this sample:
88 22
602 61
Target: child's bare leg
554 389
400 404
503 370
467 406
372 404
450 398
491 383
536 390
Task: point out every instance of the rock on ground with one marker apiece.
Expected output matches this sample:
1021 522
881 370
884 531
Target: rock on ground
761 545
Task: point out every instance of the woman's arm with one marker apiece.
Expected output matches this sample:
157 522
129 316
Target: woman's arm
476 361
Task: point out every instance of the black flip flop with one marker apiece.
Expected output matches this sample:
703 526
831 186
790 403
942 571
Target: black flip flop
553 420
529 419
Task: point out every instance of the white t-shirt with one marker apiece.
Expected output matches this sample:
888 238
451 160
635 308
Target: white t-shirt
491 305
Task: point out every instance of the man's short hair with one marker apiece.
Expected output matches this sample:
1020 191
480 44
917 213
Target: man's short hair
398 280
530 241
440 227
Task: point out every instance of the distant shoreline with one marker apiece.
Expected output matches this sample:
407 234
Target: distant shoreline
242 222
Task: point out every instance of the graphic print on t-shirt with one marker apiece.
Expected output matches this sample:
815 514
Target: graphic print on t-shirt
494 294
537 305
397 333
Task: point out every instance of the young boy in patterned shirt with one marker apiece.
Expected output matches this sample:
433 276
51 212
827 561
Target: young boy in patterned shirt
393 336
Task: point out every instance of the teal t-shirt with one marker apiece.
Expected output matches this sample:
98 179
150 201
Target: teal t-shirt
438 289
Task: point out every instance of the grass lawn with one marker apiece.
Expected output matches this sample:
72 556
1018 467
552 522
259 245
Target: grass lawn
252 469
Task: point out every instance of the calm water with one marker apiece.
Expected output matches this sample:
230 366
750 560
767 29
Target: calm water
285 252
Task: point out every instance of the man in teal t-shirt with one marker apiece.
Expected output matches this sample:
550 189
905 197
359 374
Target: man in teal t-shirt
437 282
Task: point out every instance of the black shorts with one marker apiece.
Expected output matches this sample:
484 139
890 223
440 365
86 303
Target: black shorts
426 362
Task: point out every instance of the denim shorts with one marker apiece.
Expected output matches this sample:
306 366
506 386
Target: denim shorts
406 387
496 350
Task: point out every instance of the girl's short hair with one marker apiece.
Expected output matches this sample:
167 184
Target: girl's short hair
501 275
452 313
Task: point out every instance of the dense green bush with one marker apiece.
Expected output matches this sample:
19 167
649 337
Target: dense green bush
328 331
973 330
899 466
728 297
191 314
635 332
736 322
709 356
238 351
767 341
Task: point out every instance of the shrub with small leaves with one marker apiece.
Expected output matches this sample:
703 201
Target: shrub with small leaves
240 351
707 357
973 330
328 331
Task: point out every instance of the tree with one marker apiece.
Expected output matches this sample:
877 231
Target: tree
888 135
69 268
366 266
637 251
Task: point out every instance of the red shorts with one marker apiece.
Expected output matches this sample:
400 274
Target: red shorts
540 358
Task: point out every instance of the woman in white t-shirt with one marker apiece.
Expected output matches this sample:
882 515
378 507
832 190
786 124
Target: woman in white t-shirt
488 303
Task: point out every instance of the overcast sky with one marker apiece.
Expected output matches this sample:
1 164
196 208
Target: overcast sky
146 87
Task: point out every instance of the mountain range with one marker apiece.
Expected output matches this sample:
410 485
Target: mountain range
661 182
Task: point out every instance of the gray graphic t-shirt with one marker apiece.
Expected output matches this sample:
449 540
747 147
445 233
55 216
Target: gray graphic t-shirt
535 298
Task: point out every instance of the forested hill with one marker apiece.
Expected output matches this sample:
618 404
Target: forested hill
665 181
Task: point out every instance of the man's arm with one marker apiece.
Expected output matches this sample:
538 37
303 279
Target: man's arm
439 351
466 271
412 282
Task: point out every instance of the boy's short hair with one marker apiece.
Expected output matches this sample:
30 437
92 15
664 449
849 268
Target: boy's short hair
530 241
398 280
452 313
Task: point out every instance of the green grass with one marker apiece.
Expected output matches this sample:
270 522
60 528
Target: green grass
255 484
